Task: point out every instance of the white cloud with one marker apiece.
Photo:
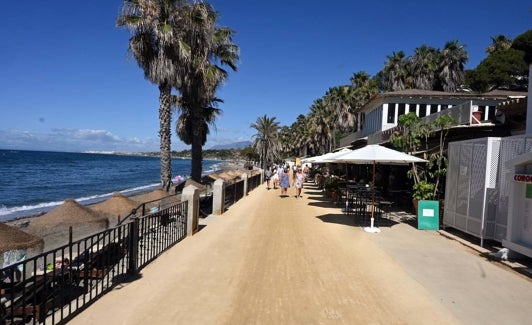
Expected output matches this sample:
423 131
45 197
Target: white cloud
74 140
78 140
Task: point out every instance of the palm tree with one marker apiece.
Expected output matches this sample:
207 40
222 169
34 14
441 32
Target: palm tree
424 66
499 43
453 59
156 45
266 139
210 47
364 88
319 120
395 72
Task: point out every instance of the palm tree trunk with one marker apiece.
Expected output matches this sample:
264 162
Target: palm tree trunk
196 148
165 135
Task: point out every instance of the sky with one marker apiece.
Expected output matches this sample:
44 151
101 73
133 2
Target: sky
67 82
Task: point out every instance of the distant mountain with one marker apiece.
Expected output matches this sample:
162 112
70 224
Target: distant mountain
234 145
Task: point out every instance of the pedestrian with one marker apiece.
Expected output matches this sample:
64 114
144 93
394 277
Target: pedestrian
280 171
306 171
285 181
267 177
275 177
299 180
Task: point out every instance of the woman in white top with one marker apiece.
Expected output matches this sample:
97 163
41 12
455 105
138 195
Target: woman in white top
299 179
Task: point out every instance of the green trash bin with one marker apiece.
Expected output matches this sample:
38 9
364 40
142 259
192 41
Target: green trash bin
428 215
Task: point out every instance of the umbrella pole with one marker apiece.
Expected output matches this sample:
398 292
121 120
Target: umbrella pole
372 228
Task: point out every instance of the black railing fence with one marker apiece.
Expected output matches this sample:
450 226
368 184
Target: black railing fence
234 192
254 182
54 286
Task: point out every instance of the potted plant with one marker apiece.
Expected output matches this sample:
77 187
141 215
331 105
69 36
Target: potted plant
412 135
331 186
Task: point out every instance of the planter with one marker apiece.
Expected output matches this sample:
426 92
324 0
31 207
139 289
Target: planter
477 117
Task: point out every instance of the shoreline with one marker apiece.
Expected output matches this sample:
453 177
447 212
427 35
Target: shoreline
23 221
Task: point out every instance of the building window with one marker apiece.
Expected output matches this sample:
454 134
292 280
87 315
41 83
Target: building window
401 110
433 108
422 110
391 113
412 108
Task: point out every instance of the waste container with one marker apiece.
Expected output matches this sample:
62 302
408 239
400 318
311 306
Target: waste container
428 215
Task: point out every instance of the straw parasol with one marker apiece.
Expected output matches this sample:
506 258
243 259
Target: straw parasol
201 187
155 199
117 206
53 226
12 238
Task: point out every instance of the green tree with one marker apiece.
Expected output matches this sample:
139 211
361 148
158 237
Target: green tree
266 141
394 72
453 59
523 42
424 67
210 48
320 121
364 88
504 69
499 43
412 136
157 46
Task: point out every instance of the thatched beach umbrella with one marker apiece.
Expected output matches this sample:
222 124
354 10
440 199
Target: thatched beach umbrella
158 198
53 226
14 241
118 205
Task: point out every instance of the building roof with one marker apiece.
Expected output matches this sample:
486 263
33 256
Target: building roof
432 94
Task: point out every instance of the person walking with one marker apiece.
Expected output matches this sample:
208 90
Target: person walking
267 177
299 179
285 181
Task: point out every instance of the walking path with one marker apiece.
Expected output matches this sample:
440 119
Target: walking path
275 260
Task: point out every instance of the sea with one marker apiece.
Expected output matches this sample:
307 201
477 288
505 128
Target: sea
33 182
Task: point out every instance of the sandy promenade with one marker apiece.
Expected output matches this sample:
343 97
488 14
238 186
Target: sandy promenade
273 260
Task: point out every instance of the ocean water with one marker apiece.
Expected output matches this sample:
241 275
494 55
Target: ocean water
32 182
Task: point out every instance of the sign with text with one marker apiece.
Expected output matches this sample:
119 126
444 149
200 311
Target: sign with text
523 178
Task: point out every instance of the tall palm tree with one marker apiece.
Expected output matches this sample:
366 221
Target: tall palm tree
266 139
395 72
364 88
210 47
453 59
424 66
499 43
320 132
156 45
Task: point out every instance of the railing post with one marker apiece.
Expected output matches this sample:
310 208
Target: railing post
244 177
133 246
191 195
218 197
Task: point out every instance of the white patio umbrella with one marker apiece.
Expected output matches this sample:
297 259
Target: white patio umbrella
372 154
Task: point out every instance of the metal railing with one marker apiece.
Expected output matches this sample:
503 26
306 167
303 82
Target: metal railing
53 287
254 182
234 192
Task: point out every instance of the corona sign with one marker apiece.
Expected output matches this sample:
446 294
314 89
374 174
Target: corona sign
523 178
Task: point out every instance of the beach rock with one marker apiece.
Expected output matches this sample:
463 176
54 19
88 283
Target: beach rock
53 226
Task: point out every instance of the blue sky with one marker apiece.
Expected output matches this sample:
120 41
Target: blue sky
68 84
